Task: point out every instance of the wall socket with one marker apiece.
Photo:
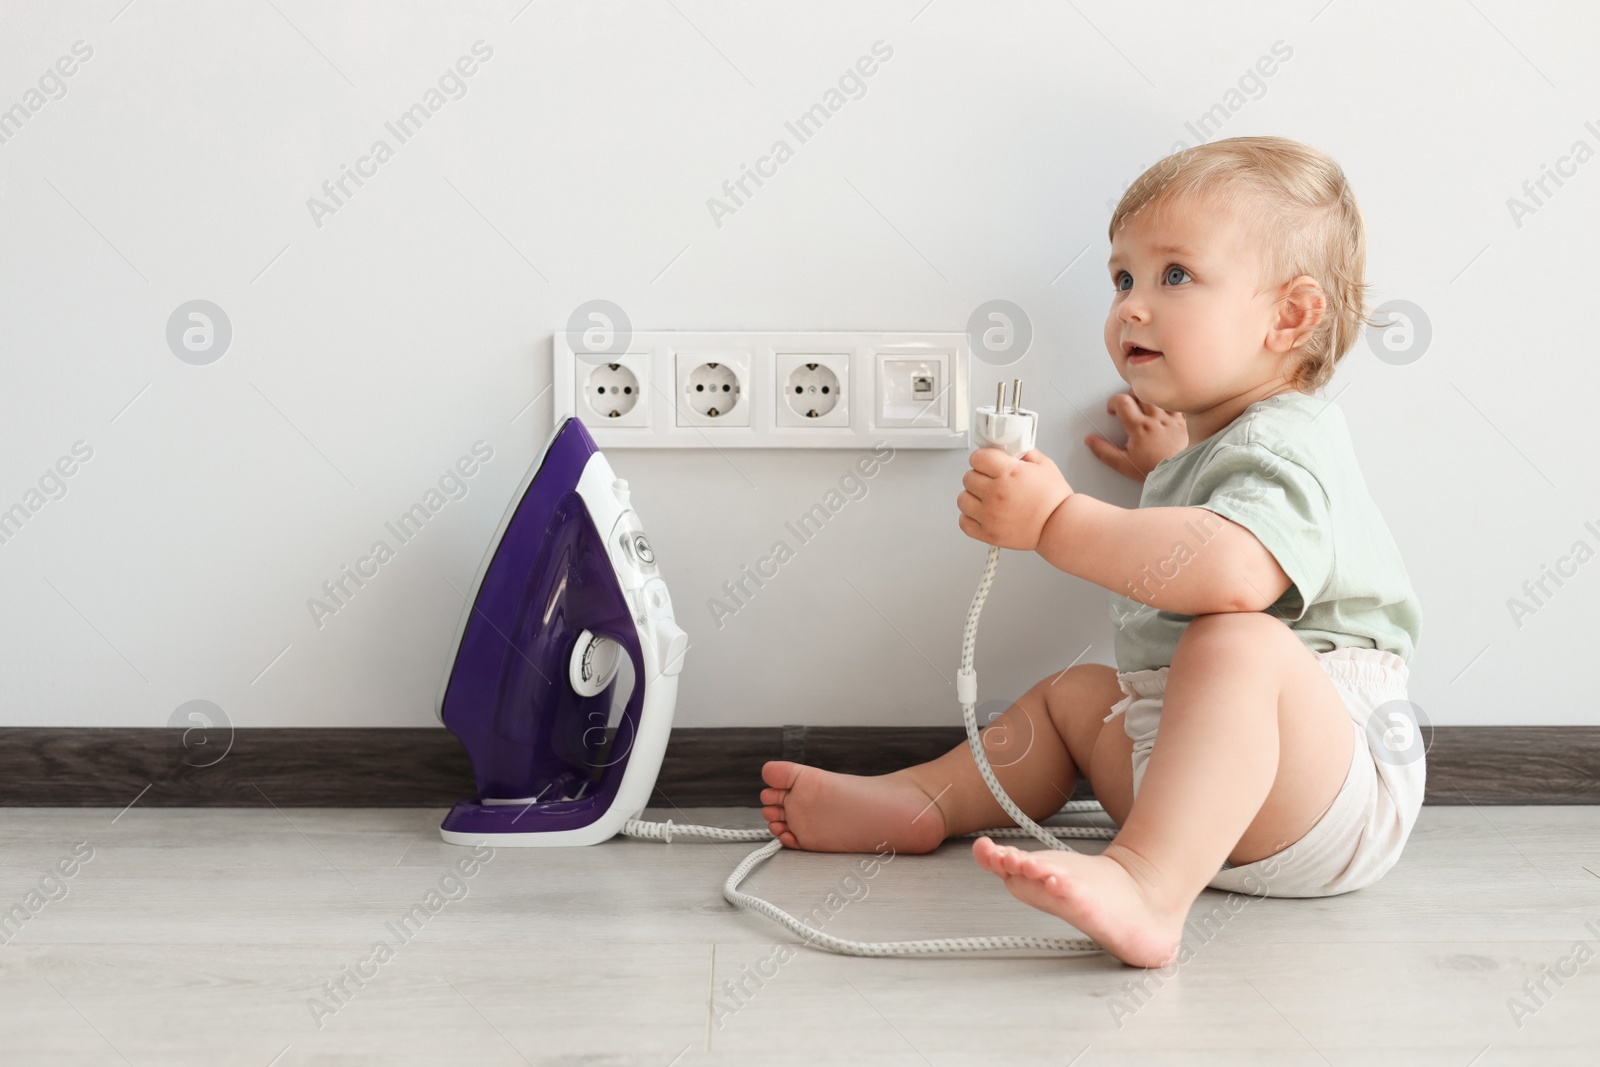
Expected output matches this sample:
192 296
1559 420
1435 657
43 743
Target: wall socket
725 389
712 387
813 389
615 393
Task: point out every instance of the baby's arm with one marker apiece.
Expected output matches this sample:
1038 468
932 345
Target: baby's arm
1188 561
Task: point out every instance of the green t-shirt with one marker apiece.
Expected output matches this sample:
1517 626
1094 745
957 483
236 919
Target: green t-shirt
1286 471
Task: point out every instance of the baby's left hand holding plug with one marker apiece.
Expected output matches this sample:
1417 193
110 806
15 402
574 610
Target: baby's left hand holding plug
1007 500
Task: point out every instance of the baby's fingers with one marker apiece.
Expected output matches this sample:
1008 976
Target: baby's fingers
1128 409
1113 456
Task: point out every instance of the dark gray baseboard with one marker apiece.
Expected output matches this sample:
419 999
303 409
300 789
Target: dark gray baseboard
115 767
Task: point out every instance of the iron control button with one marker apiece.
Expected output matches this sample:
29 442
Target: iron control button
656 601
641 548
672 643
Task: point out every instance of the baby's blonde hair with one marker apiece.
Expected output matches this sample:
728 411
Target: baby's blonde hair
1313 226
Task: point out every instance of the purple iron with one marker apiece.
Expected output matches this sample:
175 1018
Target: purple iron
566 661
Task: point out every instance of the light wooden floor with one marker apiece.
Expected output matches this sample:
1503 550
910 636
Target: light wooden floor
198 936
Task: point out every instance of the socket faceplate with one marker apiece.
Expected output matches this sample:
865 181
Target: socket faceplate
670 413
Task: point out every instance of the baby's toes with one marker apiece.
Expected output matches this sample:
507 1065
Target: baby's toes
1015 859
987 853
1034 866
1046 874
1047 879
1002 858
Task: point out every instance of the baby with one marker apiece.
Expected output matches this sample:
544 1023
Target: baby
1264 618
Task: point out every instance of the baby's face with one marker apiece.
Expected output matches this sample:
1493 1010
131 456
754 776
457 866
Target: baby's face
1186 285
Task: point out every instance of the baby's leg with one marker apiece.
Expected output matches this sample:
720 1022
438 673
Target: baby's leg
1253 747
1036 749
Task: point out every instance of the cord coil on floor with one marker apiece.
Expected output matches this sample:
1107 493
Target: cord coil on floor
967 693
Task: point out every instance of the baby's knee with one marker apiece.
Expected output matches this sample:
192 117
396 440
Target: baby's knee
1078 700
1243 631
1065 692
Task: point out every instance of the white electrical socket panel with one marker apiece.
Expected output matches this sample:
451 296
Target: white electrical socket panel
712 387
813 389
616 393
726 389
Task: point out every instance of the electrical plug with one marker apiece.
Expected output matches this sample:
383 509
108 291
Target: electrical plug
1012 429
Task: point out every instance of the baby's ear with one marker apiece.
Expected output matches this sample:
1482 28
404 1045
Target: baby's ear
1300 311
1308 304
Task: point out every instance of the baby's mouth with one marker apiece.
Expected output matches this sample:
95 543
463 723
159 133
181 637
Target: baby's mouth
1136 352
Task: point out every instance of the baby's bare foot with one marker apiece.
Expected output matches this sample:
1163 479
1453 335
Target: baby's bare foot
1096 894
820 811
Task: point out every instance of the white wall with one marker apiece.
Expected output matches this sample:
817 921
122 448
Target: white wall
379 346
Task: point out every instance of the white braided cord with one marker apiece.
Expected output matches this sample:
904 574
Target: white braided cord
1025 827
664 831
969 641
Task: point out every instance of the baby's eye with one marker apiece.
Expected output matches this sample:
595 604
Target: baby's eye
1123 275
1180 272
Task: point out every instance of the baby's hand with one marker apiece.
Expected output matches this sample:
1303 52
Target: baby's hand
1153 435
1006 500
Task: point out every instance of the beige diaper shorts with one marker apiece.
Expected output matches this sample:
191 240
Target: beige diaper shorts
1360 837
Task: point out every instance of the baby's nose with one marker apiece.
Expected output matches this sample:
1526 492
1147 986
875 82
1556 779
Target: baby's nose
1133 310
